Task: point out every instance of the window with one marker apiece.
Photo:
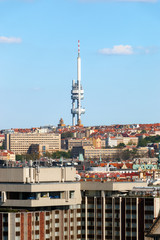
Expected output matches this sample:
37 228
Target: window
36 227
56 195
71 194
17 229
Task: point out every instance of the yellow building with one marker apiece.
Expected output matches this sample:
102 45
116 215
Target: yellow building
96 142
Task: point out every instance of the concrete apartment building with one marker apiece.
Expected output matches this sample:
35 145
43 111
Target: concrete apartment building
91 152
49 204
114 141
68 144
117 211
39 203
2 138
21 142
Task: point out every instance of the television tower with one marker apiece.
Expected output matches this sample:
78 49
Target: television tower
77 93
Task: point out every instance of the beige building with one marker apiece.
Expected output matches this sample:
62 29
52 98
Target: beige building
115 141
90 152
21 142
40 203
39 187
79 143
2 138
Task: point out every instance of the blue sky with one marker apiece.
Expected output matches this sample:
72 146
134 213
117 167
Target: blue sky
120 61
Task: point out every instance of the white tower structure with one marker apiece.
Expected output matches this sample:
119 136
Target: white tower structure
77 93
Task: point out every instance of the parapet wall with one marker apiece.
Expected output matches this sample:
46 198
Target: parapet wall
32 175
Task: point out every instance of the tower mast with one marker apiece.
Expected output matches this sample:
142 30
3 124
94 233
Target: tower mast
77 92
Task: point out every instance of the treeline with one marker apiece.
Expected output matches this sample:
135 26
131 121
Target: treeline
127 155
35 156
151 139
58 154
67 135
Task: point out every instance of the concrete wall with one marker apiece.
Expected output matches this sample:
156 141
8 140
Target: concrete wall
111 186
31 175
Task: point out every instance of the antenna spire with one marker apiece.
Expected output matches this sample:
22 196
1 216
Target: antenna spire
78 47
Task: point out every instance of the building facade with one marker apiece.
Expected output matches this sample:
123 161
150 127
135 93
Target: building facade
115 141
39 203
91 152
115 211
21 142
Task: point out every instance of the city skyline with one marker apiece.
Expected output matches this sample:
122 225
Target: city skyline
120 61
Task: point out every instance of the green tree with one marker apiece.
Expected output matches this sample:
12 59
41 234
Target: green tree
67 135
3 145
19 157
151 139
126 155
59 154
121 145
142 142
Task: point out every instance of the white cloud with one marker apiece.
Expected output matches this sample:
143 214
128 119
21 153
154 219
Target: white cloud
10 40
128 50
117 50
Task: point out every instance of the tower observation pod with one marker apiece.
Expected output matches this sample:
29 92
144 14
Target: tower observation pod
77 93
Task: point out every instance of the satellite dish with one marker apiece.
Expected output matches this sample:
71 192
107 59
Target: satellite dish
78 177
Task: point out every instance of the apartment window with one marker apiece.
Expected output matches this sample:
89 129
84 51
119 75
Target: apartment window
90 214
17 229
5 229
109 232
89 206
71 194
36 227
116 233
55 195
47 217
37 218
5 218
16 238
99 206
47 226
134 234
108 215
108 224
